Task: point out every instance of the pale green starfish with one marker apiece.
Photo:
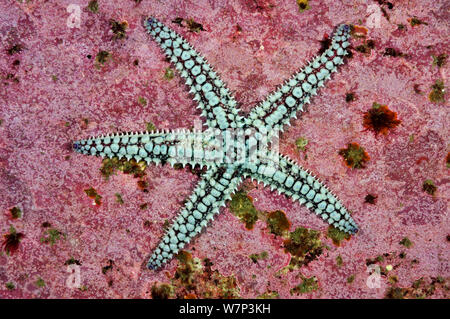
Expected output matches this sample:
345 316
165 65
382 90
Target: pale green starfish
233 147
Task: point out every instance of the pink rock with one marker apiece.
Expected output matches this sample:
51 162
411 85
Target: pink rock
47 95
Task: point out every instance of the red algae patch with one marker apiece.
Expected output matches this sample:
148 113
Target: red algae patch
354 155
380 119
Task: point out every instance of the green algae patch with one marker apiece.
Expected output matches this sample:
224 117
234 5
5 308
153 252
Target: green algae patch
421 288
339 261
119 198
354 156
304 246
256 257
40 283
15 212
406 242
440 60
306 286
194 26
271 294
301 143
350 279
150 127
169 74
415 21
93 6
10 285
429 187
241 205
142 101
51 236
278 222
101 58
337 235
437 92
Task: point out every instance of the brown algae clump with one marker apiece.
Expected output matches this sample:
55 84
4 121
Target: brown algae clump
306 286
278 222
11 241
337 235
303 5
354 156
429 187
437 93
304 246
242 206
380 119
92 193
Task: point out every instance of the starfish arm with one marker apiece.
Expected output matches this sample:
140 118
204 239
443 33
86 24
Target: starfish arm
216 186
175 147
299 184
214 99
283 104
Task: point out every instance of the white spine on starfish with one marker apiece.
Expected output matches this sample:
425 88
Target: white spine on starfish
209 91
282 105
211 192
299 184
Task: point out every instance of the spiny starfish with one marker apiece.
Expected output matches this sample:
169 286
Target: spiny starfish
243 157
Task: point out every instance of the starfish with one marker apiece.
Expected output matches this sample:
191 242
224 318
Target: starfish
233 147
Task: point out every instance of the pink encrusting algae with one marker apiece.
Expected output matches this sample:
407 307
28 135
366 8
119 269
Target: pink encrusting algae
62 81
